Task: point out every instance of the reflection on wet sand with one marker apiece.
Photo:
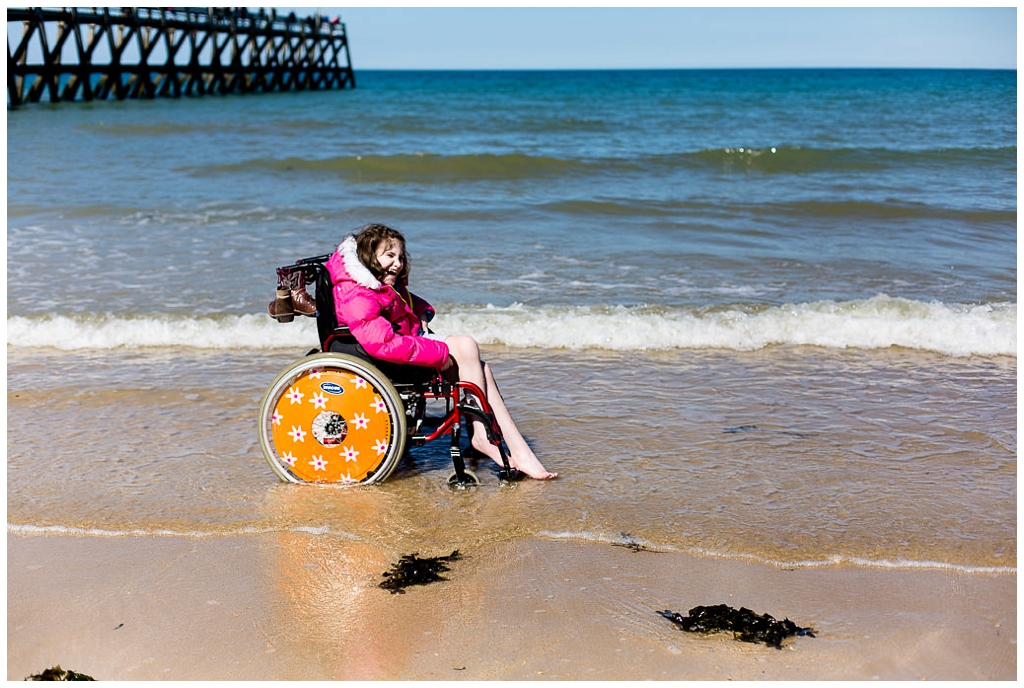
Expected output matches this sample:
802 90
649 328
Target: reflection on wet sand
327 580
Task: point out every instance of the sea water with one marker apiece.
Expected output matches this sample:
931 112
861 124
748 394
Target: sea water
767 314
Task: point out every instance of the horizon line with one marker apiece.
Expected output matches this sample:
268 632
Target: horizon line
651 69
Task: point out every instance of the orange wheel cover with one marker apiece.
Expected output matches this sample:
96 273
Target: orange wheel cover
331 426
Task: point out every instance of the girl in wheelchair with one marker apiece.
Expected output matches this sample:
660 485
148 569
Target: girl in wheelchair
370 272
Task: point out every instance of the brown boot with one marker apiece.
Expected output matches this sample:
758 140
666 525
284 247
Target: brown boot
302 302
280 309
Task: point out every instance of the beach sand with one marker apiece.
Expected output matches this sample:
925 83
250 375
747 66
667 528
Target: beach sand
307 606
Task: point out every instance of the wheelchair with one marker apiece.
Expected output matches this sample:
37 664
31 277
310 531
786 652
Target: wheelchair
335 416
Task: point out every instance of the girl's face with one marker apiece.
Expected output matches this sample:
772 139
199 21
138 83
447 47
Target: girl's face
391 257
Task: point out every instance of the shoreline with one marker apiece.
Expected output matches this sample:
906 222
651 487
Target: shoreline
298 606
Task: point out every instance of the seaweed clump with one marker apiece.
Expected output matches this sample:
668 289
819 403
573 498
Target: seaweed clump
631 543
744 624
411 570
57 674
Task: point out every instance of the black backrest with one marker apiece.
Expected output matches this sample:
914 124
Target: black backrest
326 317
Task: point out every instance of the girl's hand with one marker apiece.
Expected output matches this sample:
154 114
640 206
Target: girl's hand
423 326
448 364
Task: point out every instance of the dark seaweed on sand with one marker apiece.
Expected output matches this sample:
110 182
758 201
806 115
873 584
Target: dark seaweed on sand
744 624
411 570
58 674
631 543
750 428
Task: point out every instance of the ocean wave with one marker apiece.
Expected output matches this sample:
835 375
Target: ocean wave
800 159
867 211
107 331
876 323
879 322
421 167
863 211
415 167
831 560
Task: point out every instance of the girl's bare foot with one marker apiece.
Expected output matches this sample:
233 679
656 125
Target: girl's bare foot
530 465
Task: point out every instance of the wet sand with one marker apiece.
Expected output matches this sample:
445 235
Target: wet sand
304 606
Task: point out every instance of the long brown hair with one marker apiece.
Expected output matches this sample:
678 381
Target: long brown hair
368 241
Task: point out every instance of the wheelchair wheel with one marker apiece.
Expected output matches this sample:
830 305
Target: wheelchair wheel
332 418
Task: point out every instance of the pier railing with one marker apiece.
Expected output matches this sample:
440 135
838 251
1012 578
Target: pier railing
146 52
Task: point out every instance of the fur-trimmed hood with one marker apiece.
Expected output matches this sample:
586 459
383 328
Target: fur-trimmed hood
359 273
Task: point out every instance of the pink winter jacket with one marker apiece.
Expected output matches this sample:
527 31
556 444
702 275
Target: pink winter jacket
380 320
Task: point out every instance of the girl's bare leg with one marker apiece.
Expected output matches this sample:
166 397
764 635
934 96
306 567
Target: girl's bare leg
466 353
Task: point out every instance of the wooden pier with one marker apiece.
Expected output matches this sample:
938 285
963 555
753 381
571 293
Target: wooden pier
147 52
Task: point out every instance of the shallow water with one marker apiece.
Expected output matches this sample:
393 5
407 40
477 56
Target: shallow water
797 456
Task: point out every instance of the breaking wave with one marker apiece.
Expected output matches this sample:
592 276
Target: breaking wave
875 323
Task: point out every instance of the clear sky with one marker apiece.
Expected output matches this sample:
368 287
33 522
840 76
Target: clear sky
676 37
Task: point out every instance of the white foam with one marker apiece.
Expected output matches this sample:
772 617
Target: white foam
110 332
878 322
832 560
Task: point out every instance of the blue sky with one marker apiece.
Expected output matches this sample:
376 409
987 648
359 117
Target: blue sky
676 37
